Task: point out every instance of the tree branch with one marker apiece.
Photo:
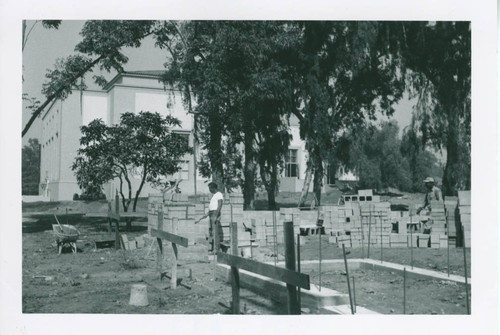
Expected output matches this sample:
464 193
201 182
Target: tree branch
53 96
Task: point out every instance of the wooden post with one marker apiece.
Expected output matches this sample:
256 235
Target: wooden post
362 238
354 294
173 279
117 211
159 257
348 281
235 274
293 306
466 284
447 240
110 227
411 239
404 290
381 238
369 229
275 235
298 269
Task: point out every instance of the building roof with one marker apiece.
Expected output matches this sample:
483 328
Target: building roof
138 74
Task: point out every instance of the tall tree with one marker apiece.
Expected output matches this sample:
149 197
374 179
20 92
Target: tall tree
228 67
31 167
345 76
437 58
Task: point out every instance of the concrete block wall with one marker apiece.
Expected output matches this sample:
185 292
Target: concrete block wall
464 208
349 223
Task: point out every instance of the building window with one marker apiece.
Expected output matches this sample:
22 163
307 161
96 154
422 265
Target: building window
291 164
183 173
185 137
330 174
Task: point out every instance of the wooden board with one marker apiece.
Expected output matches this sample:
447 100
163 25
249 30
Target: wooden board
290 277
182 241
113 216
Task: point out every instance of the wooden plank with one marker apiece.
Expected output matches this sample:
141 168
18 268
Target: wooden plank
113 216
291 277
180 240
235 273
293 304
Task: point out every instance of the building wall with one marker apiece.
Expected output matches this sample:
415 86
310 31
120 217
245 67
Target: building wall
61 134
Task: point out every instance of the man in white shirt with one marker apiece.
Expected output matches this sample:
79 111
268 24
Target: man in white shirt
214 211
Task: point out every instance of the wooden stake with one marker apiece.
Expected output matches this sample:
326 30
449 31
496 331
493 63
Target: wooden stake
235 274
173 280
298 269
447 240
354 294
369 229
348 281
381 239
466 284
293 305
404 291
117 211
159 256
411 239
275 233
320 227
362 239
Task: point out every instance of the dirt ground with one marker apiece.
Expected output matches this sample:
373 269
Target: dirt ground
99 280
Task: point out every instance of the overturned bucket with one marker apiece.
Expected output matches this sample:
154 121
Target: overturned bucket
139 295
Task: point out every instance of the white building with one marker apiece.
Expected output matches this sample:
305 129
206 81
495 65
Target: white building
132 92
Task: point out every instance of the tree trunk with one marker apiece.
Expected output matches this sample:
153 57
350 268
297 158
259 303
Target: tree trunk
452 171
318 178
215 152
249 169
273 186
307 183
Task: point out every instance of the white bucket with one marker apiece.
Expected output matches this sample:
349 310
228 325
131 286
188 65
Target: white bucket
139 295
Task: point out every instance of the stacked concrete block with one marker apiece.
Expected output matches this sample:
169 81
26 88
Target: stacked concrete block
423 240
451 206
438 218
443 241
195 233
345 240
398 241
413 240
155 205
464 208
356 237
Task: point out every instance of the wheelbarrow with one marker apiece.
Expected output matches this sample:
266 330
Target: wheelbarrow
65 235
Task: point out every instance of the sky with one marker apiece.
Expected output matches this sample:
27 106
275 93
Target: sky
45 46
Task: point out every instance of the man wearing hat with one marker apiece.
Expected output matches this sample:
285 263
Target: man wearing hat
433 193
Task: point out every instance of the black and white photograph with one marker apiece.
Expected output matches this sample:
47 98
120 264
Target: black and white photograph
234 168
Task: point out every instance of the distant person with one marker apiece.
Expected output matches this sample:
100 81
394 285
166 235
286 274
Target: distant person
433 193
214 213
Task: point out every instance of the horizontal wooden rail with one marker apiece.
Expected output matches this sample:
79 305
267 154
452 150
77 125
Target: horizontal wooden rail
290 277
182 241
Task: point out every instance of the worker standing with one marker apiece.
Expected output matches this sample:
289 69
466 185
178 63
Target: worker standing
214 213
433 193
